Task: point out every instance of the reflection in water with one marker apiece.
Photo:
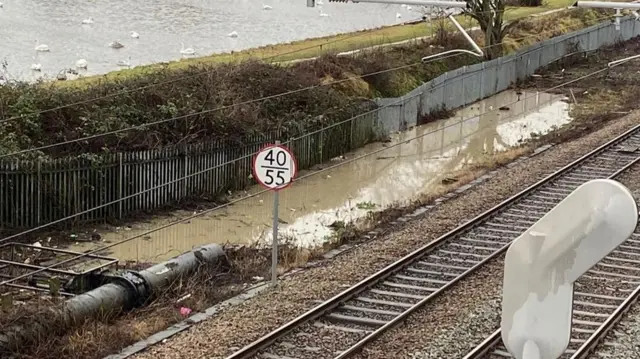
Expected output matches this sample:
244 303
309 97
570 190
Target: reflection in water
163 25
350 191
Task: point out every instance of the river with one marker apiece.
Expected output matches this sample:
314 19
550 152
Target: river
162 26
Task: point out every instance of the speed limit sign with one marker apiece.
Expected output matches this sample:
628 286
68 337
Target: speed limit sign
274 167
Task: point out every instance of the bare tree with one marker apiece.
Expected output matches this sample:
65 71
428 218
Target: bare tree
490 16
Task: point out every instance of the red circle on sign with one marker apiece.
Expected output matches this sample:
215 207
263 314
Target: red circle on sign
293 174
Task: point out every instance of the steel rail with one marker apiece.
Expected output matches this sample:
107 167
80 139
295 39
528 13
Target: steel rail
329 305
493 342
590 345
490 343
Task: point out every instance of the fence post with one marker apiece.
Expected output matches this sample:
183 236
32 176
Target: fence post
185 181
403 120
39 190
464 92
482 72
120 185
321 144
351 134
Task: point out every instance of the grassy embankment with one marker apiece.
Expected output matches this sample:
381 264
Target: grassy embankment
189 88
315 47
600 98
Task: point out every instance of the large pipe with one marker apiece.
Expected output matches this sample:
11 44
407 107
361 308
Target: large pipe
123 292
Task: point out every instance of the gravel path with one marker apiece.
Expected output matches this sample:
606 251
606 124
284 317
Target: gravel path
240 325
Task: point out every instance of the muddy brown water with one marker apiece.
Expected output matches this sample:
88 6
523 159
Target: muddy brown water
412 163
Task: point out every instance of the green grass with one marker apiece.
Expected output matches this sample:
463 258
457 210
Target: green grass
316 46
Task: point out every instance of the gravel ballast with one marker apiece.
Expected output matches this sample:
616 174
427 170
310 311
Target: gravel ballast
622 341
240 325
425 336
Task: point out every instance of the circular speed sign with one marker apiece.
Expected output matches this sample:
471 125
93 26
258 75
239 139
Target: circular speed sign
274 167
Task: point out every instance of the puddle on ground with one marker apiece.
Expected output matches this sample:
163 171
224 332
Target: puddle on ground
411 163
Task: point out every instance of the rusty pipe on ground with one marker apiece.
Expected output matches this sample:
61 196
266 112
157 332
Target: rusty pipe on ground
122 292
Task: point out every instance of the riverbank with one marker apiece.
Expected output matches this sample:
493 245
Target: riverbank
221 104
316 47
601 102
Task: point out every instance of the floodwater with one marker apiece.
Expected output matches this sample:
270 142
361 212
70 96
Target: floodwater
162 26
413 162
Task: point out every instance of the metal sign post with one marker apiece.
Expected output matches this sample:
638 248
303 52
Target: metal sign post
543 263
275 167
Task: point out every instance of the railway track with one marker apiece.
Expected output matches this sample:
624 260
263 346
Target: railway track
342 325
601 297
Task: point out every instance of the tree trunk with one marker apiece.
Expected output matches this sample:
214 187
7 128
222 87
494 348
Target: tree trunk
489 15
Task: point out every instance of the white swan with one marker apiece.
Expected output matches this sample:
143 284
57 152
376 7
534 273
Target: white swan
88 21
233 34
116 44
409 8
41 47
135 35
187 51
403 5
398 16
82 64
323 14
36 64
266 7
124 63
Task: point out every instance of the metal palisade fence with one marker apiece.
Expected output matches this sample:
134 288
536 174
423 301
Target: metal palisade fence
468 84
37 192
33 193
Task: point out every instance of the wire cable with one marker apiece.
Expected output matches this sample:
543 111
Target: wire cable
146 233
288 93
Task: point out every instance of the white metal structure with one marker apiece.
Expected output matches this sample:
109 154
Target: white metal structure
618 6
543 263
478 51
443 4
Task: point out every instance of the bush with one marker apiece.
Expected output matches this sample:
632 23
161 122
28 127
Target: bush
187 92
